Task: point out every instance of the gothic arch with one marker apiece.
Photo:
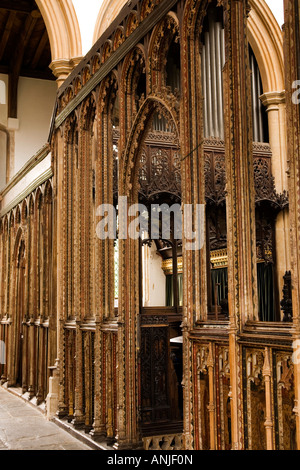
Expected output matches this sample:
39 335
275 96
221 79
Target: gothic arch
134 68
264 35
63 28
64 35
107 13
17 245
138 131
266 40
163 34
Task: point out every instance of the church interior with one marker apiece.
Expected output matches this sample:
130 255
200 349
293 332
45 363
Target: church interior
141 342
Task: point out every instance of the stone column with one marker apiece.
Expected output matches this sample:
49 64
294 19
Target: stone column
275 105
292 77
242 277
62 68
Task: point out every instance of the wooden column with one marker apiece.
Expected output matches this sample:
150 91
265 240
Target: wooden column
60 188
193 192
292 77
212 406
267 373
78 420
242 283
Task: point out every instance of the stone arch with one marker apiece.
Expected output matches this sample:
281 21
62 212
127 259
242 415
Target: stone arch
107 13
266 40
264 36
64 35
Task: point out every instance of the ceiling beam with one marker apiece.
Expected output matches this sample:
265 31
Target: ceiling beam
16 64
30 73
7 31
21 6
39 50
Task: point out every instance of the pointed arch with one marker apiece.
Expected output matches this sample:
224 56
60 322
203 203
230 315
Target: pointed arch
62 27
138 132
17 245
266 40
107 13
64 35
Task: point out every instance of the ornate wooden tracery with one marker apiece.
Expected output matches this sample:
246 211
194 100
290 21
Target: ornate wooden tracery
114 372
26 319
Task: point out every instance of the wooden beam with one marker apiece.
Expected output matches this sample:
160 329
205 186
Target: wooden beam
39 50
21 6
16 64
7 31
30 73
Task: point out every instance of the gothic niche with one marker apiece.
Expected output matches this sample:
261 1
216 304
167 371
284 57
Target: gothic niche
268 202
284 397
254 400
160 279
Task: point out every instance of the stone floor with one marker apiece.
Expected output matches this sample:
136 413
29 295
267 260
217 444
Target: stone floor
22 427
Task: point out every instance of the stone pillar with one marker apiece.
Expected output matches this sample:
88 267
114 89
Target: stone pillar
276 109
292 77
242 277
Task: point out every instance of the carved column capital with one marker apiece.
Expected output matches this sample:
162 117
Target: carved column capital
272 99
61 68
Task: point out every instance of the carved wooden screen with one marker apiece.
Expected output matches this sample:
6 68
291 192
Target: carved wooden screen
161 360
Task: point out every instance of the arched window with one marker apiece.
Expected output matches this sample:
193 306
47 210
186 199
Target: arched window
259 114
212 63
212 54
173 67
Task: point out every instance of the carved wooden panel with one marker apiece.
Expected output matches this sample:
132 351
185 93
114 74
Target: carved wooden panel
70 372
284 401
154 374
254 400
88 383
222 398
215 175
201 396
159 171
